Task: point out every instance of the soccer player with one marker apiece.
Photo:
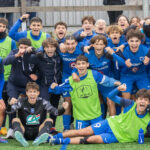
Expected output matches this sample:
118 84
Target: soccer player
84 94
35 34
2 104
31 123
122 128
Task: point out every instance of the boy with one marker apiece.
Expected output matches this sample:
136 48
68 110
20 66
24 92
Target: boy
135 67
21 72
84 35
2 104
35 35
6 45
122 128
60 31
84 94
49 65
31 122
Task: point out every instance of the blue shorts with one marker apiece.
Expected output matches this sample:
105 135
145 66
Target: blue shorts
141 81
83 124
103 129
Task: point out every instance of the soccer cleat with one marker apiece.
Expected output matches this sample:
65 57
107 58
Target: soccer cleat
3 131
3 141
19 137
41 139
10 134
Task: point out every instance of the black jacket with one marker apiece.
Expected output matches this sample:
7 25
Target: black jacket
20 70
113 2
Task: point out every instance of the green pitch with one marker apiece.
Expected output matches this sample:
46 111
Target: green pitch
14 145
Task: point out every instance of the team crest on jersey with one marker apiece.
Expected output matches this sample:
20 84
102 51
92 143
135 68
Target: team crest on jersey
33 119
84 91
135 69
72 65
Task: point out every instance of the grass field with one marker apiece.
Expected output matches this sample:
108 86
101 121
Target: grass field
14 145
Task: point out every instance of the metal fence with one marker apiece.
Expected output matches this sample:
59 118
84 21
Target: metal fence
71 11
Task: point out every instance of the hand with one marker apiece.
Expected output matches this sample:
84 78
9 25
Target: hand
65 105
29 49
62 48
86 49
122 87
20 53
53 85
2 105
24 16
34 77
117 83
121 48
128 63
83 34
109 50
75 77
13 101
146 60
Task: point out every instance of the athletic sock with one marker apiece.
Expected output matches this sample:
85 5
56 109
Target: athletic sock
59 135
16 127
66 121
46 129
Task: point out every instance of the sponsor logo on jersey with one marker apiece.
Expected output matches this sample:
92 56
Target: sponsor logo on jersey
84 91
33 119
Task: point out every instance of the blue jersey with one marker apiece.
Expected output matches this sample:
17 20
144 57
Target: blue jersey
14 34
68 61
1 78
114 46
136 60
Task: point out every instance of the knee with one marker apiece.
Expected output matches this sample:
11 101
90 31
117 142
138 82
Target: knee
49 120
110 103
16 120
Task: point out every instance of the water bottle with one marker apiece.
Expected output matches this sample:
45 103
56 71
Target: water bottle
141 136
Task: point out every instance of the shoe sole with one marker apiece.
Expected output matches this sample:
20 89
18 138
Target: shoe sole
42 139
21 139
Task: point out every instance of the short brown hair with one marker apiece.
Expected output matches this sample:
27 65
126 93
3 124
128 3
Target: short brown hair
89 18
36 19
81 58
99 38
134 33
50 41
32 85
4 21
24 41
136 18
112 28
60 23
143 93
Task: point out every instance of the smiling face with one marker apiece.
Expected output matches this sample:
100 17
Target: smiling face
88 27
32 95
50 50
70 45
60 31
99 47
115 36
123 23
134 44
142 104
82 67
36 28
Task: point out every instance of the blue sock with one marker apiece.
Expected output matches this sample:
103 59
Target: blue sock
59 135
66 121
66 141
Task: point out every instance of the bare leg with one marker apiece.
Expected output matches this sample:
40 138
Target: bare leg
78 133
95 139
111 107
